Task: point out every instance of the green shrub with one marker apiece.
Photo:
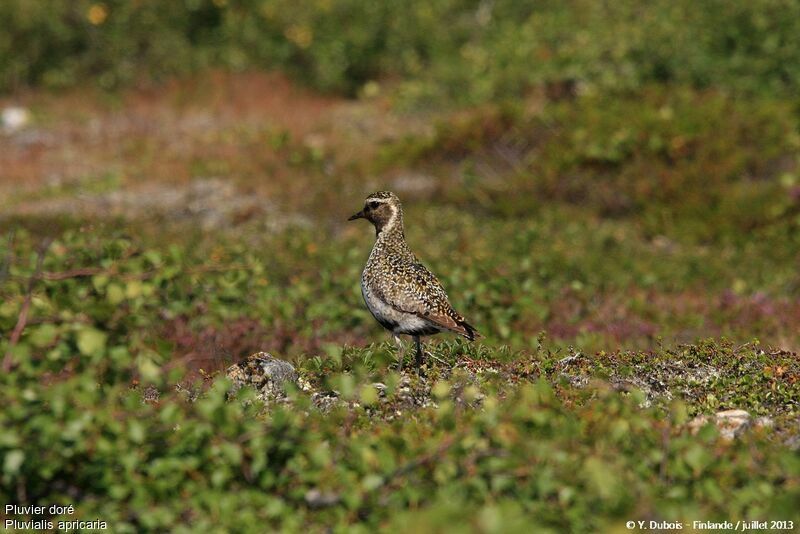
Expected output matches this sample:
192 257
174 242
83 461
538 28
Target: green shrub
695 164
578 460
520 447
460 50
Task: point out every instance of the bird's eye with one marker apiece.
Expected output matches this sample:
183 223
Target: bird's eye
372 205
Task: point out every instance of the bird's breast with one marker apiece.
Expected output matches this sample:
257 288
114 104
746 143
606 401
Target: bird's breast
387 316
397 321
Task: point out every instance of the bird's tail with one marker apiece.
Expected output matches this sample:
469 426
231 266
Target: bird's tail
469 331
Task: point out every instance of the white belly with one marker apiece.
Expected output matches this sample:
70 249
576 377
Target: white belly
392 319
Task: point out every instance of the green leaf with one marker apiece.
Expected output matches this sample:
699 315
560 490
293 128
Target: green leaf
368 395
372 482
153 257
133 289
149 370
91 341
601 477
115 294
136 431
21 352
441 389
9 309
43 335
696 457
99 281
13 461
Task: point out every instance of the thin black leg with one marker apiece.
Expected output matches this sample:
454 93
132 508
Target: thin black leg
420 354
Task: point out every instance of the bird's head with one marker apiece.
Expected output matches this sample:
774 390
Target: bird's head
383 210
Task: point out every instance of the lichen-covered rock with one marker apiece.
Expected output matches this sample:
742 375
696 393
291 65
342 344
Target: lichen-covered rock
764 422
265 373
730 423
324 401
189 392
151 395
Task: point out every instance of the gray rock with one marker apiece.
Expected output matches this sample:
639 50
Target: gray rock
569 360
730 423
190 392
764 422
265 373
380 387
324 401
793 442
150 395
317 499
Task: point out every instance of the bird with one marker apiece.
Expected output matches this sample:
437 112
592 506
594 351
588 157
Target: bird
401 293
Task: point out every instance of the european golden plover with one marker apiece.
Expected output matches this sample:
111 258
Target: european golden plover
402 295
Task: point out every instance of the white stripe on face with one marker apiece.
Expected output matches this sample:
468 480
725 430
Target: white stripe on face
390 222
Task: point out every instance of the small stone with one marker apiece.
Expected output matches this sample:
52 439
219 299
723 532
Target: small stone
730 423
569 360
576 381
14 118
150 395
380 388
793 442
325 400
316 499
764 422
265 373
305 385
190 393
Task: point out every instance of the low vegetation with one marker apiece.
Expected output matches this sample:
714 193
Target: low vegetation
489 50
618 217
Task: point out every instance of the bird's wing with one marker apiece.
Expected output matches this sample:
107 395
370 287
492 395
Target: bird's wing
419 292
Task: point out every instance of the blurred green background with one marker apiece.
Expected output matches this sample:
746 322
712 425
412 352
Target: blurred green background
471 51
614 183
